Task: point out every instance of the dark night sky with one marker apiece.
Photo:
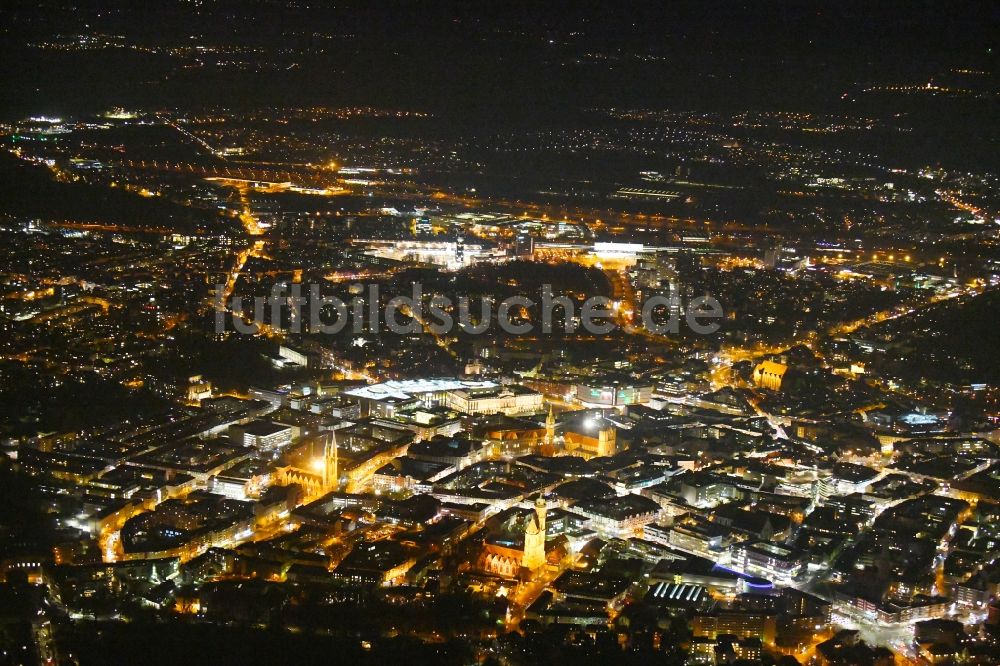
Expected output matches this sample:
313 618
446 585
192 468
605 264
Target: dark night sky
497 61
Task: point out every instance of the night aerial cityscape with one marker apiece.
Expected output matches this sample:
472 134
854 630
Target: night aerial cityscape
499 333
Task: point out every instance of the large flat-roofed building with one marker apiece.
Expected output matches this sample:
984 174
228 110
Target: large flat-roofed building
451 253
262 435
699 536
770 560
365 447
510 400
613 393
738 623
375 563
276 397
457 452
386 398
706 488
406 473
425 423
619 516
243 481
692 569
199 458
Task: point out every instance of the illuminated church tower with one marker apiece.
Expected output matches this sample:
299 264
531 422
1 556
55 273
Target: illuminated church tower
548 447
534 538
330 472
606 442
319 476
550 429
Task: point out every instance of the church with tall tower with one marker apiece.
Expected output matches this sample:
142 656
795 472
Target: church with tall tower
534 538
320 476
330 471
548 447
589 437
512 555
